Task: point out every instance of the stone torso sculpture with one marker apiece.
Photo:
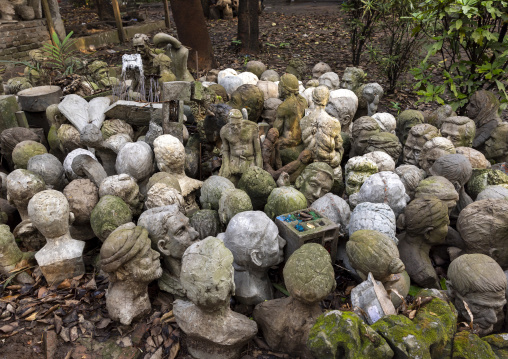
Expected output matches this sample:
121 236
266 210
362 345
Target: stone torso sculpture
241 148
289 114
213 329
425 222
321 133
256 246
171 235
285 323
477 280
61 257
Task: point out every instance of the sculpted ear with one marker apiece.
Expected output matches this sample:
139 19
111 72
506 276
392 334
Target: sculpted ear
426 232
161 247
450 290
256 258
494 254
298 182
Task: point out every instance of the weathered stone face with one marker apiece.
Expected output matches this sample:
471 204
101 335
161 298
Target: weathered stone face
352 78
363 128
434 149
459 130
480 282
315 181
358 169
496 147
405 121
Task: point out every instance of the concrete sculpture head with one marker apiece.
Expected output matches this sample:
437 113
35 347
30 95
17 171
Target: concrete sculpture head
382 159
476 158
363 129
479 281
169 154
386 142
386 121
22 185
131 263
384 187
455 168
232 202
136 160
330 80
432 150
358 169
410 176
372 93
439 187
418 136
343 105
49 168
319 69
352 78
288 85
373 216
483 109
405 121
459 129
496 147
315 181
254 240
125 187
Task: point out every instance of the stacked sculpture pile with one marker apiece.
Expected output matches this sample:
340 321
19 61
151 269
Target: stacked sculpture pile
301 182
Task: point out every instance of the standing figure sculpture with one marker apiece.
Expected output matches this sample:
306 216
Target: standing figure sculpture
241 148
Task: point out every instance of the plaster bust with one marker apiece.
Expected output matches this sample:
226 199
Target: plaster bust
425 221
418 135
459 129
480 282
170 234
432 150
405 121
127 257
61 257
358 169
256 245
363 129
213 329
315 181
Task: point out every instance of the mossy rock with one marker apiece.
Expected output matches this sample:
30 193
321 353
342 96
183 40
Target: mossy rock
470 346
110 213
232 202
256 67
481 178
284 200
499 344
339 334
258 184
26 150
297 67
53 140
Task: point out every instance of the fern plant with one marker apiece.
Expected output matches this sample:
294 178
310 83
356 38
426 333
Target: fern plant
60 53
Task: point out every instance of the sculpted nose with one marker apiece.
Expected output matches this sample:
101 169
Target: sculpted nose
490 316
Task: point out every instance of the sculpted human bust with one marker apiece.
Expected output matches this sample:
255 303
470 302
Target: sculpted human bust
170 234
432 150
496 147
126 255
439 187
460 130
358 169
386 121
321 132
254 240
289 114
342 105
483 109
22 185
479 281
483 226
372 93
286 322
418 135
373 216
425 222
385 142
315 181
410 176
405 121
170 157
213 329
241 148
363 129
61 257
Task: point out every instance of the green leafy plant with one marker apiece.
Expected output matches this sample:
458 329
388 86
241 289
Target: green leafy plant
283 45
236 42
469 39
60 54
396 106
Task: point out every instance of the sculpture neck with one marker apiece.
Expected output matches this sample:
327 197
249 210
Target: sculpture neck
59 239
173 264
130 290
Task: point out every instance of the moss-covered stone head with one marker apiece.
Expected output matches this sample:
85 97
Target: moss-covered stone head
405 121
315 181
363 129
358 169
385 142
418 135
459 129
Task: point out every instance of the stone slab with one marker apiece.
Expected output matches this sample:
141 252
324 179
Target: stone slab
134 113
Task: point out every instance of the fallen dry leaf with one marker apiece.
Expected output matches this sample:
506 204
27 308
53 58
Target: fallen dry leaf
32 317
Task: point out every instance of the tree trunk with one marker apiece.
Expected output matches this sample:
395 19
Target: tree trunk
192 32
104 10
248 25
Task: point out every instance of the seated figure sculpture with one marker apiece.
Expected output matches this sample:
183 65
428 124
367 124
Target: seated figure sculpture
286 322
425 221
178 54
478 281
256 246
170 157
363 129
241 148
358 169
372 93
496 147
459 129
213 329
483 109
171 235
132 264
432 150
289 114
61 257
418 135
483 226
321 133
315 181
405 121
